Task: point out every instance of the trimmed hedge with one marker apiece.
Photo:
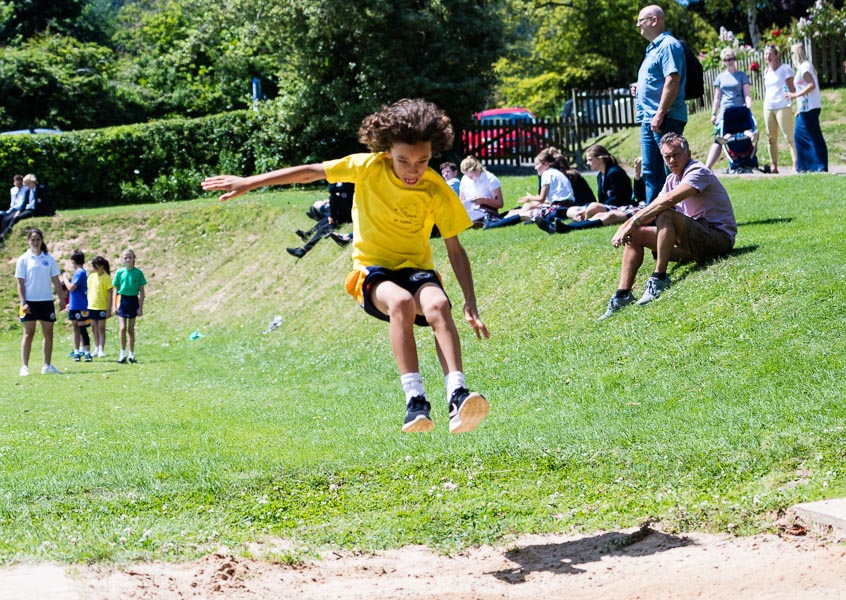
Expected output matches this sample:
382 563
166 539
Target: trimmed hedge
150 162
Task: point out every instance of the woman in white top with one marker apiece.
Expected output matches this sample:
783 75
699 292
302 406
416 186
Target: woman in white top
811 149
731 88
35 271
778 80
555 190
480 191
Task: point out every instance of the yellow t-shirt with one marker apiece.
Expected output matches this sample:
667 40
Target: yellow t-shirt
98 291
392 222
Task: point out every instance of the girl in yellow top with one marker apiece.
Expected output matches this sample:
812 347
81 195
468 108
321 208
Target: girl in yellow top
398 199
99 302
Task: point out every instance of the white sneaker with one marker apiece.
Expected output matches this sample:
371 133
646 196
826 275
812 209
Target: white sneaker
24 371
100 354
50 370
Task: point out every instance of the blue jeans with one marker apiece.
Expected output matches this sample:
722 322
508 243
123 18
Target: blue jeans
654 170
811 149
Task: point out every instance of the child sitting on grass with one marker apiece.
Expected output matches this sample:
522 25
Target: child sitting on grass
398 199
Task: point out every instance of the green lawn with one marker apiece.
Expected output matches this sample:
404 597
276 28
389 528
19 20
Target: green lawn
710 409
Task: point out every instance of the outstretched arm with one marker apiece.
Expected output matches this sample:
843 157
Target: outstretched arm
235 186
461 267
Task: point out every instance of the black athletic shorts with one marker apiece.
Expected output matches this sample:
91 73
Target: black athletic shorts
410 280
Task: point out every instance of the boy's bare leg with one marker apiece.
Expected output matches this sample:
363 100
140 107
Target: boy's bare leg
433 304
400 306
467 409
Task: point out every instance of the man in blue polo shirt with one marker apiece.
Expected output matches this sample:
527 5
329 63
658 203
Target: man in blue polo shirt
659 95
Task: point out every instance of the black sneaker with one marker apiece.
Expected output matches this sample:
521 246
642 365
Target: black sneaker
466 410
77 356
417 416
302 235
122 361
547 225
298 252
339 239
132 360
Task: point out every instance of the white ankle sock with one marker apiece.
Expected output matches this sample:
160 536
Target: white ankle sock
412 385
453 381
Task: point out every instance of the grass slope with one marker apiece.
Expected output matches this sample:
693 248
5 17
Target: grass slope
710 409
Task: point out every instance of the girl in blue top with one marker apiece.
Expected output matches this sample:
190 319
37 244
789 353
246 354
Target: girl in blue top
78 307
129 284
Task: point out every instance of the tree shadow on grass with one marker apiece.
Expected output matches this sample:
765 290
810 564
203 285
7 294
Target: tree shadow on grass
563 558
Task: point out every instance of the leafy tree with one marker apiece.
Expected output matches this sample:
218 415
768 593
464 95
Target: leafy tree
579 44
75 18
343 60
751 16
57 81
195 57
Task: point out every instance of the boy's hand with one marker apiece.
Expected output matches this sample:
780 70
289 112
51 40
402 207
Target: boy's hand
471 315
233 185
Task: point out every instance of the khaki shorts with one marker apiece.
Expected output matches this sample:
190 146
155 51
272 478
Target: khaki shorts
703 242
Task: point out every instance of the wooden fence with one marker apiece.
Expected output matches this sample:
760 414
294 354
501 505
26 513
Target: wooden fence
594 113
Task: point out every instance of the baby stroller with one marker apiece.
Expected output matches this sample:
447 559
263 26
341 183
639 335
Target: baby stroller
331 213
739 139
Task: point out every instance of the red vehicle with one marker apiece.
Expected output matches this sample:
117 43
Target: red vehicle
503 133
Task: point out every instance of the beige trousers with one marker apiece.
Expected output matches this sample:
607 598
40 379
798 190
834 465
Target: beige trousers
779 118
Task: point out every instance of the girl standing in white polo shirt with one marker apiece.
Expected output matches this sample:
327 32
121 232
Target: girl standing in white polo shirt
35 271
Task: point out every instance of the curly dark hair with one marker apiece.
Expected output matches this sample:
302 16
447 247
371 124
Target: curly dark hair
408 121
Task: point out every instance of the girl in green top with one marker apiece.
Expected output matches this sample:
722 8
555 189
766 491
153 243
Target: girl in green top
129 285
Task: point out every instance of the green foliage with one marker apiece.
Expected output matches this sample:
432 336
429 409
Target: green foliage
194 57
343 60
58 82
579 44
155 162
31 17
824 20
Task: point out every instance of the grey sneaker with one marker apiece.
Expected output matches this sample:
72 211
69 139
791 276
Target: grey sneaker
417 416
615 304
50 370
654 287
466 410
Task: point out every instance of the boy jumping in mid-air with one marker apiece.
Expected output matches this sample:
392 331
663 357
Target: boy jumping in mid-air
397 201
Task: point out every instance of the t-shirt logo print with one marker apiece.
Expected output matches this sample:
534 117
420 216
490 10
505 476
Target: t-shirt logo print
408 211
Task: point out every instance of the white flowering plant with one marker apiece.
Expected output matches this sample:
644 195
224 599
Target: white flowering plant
823 20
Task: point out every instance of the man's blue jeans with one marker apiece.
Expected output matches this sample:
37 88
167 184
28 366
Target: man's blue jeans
654 171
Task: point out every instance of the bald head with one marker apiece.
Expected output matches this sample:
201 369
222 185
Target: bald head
650 21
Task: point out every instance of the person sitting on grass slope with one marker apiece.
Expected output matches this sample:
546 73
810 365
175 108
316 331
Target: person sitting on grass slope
693 220
616 200
397 201
556 191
